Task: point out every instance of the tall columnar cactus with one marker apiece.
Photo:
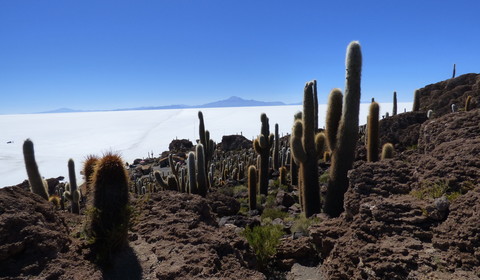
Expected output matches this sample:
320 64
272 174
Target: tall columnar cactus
454 68
110 216
315 106
75 193
37 184
387 151
468 103
252 187
416 101
305 153
208 144
394 112
201 175
334 113
276 149
175 167
88 169
262 146
293 164
192 176
283 175
344 153
373 137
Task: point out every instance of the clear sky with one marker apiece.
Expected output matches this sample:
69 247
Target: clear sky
92 54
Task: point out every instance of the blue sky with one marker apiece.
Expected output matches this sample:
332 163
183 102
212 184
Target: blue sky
86 54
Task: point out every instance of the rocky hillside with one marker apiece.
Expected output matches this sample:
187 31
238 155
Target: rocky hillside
415 216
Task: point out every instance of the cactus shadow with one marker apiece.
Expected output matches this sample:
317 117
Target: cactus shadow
125 266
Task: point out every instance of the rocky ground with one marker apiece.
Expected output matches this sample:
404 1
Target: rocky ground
415 216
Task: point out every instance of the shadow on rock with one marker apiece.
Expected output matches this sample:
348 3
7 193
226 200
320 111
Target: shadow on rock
125 266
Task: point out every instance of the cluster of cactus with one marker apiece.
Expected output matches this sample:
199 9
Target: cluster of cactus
306 146
73 193
262 146
343 155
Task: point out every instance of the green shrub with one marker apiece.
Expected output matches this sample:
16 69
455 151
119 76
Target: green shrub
302 224
273 214
323 178
264 241
433 190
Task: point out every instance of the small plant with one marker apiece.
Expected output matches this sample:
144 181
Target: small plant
301 224
264 241
437 189
323 178
273 214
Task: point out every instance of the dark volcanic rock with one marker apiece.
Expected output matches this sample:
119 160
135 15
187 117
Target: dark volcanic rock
180 145
234 143
440 96
223 205
181 240
35 241
403 130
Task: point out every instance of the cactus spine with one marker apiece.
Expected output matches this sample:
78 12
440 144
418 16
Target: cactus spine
262 146
304 152
387 151
372 139
394 112
37 184
334 113
252 187
343 155
75 194
110 218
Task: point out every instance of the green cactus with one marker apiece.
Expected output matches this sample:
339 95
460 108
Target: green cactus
169 183
283 175
343 156
262 146
192 176
293 164
276 149
37 184
334 113
73 187
394 112
252 187
208 144
305 154
201 175
110 214
315 104
387 151
416 101
373 137
468 103
88 169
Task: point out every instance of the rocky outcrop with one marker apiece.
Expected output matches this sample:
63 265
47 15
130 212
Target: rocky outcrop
35 240
235 142
439 97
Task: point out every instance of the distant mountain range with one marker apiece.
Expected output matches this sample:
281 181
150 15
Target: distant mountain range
233 101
